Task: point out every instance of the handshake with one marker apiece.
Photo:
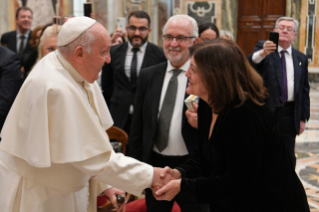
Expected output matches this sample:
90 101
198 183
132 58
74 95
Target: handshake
166 183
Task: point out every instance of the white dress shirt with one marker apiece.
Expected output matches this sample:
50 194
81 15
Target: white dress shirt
176 144
129 57
26 36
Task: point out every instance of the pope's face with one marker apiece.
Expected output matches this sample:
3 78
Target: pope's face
100 54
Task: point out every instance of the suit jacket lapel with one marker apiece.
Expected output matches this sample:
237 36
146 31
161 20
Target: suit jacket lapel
184 119
14 43
158 79
147 55
122 61
297 70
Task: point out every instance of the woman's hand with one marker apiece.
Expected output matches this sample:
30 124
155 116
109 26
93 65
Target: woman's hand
191 116
169 191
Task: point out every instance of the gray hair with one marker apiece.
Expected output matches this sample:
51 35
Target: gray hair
85 40
227 33
288 19
183 17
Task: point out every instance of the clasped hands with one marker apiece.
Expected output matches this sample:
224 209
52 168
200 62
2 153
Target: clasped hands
166 183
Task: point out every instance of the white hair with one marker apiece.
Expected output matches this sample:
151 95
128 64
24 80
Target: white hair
227 33
288 19
183 17
85 40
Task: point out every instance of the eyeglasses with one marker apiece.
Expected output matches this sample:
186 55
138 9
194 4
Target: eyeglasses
289 29
179 39
141 29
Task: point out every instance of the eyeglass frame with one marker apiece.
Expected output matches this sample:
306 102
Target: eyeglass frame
140 29
184 38
283 28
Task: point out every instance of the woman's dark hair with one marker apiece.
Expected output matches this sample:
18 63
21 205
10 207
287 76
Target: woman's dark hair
205 26
33 42
227 75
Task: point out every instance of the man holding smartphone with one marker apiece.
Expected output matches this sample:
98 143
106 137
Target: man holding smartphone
119 77
285 73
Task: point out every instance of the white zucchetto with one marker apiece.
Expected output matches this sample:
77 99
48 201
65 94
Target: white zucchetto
73 28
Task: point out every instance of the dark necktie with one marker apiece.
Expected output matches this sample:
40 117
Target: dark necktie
166 113
21 48
134 66
284 94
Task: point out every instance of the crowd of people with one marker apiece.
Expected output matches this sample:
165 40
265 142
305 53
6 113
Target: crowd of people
61 87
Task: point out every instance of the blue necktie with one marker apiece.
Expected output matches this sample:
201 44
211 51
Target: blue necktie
284 94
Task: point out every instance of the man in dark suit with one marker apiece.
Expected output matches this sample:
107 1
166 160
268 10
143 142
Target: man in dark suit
18 40
285 74
119 77
10 81
160 133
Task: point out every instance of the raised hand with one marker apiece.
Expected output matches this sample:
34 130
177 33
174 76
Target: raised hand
268 47
169 191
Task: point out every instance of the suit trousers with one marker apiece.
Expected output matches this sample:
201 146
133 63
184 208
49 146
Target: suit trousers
285 121
187 202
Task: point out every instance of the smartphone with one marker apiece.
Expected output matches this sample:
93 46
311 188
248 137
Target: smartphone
56 20
121 23
274 37
189 101
87 9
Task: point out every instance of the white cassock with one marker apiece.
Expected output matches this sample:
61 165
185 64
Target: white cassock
54 150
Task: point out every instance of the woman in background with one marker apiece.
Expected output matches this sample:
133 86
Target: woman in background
241 163
208 31
48 41
36 33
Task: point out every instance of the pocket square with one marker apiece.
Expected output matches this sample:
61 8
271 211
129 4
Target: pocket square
300 64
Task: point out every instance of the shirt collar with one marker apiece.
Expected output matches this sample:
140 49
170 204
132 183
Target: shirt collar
72 71
184 67
142 48
288 50
25 34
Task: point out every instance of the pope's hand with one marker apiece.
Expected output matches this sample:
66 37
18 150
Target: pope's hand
161 177
111 193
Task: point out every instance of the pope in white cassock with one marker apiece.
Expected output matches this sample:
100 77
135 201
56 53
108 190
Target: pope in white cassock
54 151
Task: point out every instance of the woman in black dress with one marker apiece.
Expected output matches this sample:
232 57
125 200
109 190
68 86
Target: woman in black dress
241 163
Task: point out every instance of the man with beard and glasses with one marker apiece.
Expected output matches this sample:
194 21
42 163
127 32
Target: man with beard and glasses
161 133
18 40
119 77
